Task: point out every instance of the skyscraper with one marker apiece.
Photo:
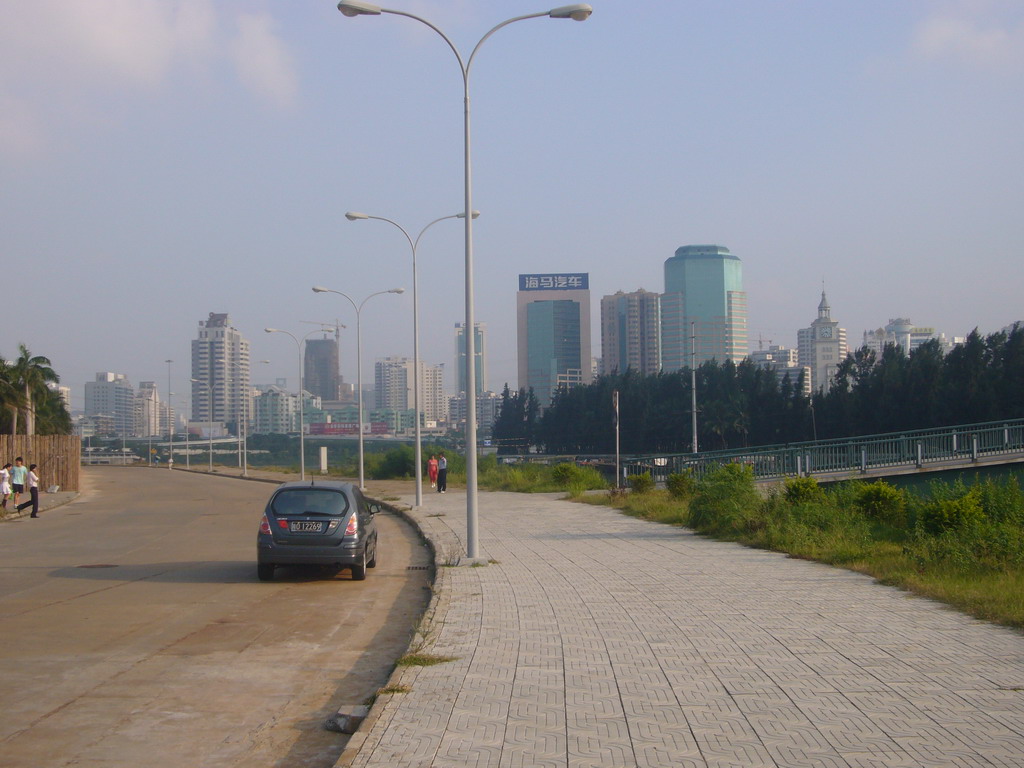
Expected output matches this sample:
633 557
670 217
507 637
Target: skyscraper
112 397
220 366
553 329
321 375
822 347
393 387
703 286
480 353
631 332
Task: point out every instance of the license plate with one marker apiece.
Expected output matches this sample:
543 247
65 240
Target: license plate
303 525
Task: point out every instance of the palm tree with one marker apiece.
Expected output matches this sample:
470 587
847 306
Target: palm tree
11 398
31 375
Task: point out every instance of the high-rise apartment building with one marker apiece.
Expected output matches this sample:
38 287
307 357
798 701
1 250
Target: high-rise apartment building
112 397
822 347
147 409
220 373
553 330
703 292
321 368
393 387
479 355
631 332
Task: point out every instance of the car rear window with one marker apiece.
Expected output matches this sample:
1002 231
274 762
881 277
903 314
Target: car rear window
309 501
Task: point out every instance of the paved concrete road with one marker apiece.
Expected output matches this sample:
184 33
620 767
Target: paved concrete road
600 640
133 631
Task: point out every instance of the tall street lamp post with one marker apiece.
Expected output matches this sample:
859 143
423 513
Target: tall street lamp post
414 244
243 419
170 420
359 358
209 389
577 12
302 410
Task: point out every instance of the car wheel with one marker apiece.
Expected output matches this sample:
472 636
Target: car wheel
372 563
265 571
359 571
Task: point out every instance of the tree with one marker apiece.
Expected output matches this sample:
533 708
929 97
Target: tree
31 374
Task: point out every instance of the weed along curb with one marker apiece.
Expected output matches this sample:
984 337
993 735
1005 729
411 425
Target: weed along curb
445 546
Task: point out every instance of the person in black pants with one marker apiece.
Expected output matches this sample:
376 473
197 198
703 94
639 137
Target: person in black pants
442 473
33 490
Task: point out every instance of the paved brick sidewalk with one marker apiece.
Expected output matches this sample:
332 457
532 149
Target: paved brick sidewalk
599 640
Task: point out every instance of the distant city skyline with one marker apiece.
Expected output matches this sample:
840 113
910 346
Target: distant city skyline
165 160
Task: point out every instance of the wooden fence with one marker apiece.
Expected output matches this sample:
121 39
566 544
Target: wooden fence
59 457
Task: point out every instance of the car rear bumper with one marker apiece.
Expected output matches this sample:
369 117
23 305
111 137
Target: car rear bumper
270 553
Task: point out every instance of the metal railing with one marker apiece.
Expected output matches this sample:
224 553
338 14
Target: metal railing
917 448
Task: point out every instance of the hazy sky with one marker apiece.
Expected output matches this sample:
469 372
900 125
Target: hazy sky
163 160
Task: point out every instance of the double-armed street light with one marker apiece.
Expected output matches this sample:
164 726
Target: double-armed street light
302 409
170 420
359 358
242 420
413 244
577 12
209 389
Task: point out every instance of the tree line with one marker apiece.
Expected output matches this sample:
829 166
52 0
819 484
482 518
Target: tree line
742 405
27 405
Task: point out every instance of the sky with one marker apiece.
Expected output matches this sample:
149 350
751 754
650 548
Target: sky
161 161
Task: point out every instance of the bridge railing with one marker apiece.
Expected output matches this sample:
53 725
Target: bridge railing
852 455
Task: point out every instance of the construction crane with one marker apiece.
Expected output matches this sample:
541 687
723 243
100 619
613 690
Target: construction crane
337 325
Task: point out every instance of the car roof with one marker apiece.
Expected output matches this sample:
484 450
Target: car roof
331 485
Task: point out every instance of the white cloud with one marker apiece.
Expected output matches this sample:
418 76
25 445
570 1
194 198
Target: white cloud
58 56
262 60
978 34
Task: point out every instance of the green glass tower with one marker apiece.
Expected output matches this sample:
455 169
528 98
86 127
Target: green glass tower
703 292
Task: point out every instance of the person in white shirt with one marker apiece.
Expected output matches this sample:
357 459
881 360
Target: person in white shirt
33 491
5 484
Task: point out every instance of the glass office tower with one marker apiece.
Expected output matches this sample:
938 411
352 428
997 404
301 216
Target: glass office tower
703 287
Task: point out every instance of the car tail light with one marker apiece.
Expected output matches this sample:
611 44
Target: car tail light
352 529
264 525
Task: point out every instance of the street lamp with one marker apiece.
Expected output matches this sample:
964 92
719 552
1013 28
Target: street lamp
170 420
353 216
209 389
302 412
359 358
577 12
243 420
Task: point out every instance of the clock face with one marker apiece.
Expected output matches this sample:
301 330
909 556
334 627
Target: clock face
825 332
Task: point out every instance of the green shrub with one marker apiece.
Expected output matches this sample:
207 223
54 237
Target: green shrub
800 490
642 483
727 502
952 515
883 503
564 474
681 485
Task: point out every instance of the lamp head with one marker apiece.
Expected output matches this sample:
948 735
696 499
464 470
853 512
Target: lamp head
578 12
320 289
355 216
396 290
358 8
476 215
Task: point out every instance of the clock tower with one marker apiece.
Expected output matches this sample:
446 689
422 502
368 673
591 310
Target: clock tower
822 347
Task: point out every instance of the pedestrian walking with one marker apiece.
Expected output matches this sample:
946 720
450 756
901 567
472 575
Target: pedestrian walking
432 470
442 474
5 484
33 492
18 474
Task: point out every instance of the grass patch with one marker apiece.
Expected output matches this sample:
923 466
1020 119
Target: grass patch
958 544
420 659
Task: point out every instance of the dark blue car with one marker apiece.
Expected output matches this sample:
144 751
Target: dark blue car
317 522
